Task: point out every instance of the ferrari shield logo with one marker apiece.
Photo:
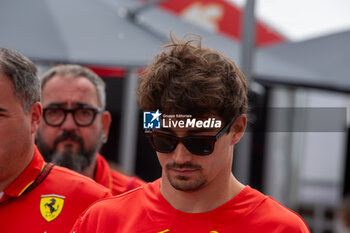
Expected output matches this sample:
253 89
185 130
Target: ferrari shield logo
51 206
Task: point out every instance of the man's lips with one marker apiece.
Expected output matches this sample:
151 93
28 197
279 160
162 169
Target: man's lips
68 140
183 172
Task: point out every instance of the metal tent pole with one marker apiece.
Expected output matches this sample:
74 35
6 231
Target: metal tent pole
243 152
128 126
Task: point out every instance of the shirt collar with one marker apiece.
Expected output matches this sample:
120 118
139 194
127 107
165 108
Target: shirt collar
103 174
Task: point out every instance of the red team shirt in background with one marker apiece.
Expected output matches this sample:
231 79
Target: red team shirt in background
117 182
144 210
52 206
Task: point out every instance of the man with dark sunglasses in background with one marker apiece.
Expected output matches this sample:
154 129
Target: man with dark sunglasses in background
202 98
76 125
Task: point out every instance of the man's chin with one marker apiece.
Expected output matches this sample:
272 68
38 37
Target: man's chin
76 162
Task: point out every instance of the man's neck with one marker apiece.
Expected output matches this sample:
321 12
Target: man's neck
203 200
91 170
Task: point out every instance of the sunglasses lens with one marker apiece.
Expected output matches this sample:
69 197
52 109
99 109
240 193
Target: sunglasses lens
199 146
162 143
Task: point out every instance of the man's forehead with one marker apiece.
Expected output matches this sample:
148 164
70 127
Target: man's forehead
186 130
68 104
189 126
70 91
69 81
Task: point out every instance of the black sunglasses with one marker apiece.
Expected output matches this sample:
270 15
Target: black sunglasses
198 145
85 116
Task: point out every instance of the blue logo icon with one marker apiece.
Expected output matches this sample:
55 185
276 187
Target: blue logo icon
151 120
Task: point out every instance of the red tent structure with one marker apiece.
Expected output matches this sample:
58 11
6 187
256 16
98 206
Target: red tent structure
222 17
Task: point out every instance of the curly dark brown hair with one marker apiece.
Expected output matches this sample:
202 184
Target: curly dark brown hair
188 79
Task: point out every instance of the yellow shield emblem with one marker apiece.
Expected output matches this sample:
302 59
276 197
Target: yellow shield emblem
51 206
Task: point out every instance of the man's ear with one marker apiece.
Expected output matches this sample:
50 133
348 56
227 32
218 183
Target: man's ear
238 128
35 113
106 119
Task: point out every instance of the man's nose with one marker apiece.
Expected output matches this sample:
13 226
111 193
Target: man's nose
69 123
181 155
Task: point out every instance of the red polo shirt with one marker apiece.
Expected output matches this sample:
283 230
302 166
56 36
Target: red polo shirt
53 205
145 210
117 182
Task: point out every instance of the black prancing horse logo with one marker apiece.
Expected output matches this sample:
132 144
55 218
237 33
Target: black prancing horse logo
50 205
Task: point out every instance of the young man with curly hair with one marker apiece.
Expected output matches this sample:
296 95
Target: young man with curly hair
202 96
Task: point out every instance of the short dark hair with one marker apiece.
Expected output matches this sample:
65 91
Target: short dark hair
78 71
187 78
23 74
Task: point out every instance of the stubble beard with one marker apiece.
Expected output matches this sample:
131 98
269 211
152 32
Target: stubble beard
186 183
